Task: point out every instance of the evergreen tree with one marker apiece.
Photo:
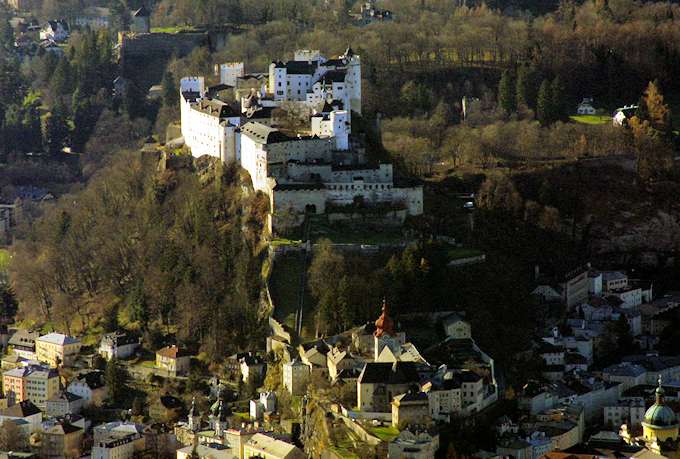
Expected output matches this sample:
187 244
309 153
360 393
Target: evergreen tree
234 12
32 131
560 110
114 380
506 94
544 104
56 129
62 79
170 91
134 101
522 87
6 32
85 115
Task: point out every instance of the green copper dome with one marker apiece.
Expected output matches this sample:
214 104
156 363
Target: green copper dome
660 416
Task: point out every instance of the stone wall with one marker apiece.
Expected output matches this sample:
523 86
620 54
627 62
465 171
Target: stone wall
144 56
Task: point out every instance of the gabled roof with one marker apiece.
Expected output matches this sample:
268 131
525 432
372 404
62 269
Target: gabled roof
93 379
141 13
58 339
389 373
20 410
334 76
173 352
23 338
65 397
119 338
263 134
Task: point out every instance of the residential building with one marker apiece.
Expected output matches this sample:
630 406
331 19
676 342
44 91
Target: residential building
575 285
265 404
63 404
22 343
88 385
380 382
24 411
614 280
118 445
94 17
295 377
174 360
623 114
414 444
57 349
209 451
586 107
61 439
444 399
339 360
410 408
119 345
456 327
629 411
265 447
103 431
56 30
36 383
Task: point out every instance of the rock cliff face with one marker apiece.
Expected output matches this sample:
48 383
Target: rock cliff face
653 241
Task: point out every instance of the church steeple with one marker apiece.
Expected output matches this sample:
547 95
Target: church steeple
660 393
384 325
194 416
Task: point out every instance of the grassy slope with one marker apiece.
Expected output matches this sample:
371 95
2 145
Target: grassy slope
591 119
4 260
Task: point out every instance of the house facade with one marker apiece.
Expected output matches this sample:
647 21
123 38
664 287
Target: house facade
57 349
174 360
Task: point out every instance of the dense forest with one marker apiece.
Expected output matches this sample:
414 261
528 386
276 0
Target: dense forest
173 248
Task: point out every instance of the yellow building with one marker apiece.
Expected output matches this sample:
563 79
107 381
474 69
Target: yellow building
36 383
660 422
56 349
659 430
266 447
174 360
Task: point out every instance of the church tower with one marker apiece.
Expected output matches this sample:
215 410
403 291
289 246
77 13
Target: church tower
194 417
660 423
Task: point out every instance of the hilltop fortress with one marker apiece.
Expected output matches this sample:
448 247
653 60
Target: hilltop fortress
314 165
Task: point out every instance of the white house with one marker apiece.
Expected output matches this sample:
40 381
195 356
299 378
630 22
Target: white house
56 31
117 445
265 404
119 345
89 386
586 107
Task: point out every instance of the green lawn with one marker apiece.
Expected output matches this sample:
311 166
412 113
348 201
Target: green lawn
591 119
174 29
4 260
344 233
284 241
385 433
